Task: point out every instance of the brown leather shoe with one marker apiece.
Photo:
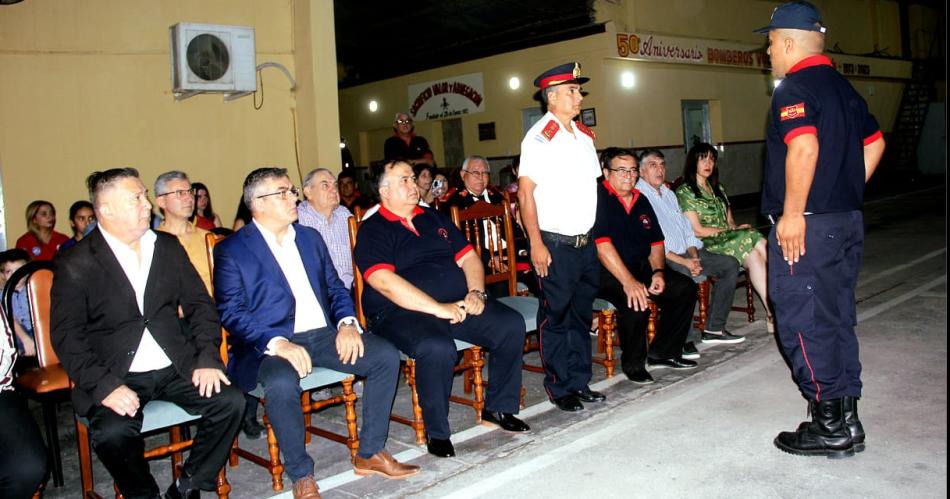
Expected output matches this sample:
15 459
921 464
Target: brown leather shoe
385 465
306 488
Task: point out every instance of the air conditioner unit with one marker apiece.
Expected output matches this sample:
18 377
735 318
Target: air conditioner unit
212 58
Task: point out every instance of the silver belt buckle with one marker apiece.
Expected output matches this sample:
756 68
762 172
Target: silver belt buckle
581 241
772 219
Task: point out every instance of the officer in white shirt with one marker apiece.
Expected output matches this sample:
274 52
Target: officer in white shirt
557 193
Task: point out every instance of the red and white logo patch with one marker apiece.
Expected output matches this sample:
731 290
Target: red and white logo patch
792 112
646 222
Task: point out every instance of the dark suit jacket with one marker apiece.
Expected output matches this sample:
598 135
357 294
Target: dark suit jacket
255 300
97 326
463 199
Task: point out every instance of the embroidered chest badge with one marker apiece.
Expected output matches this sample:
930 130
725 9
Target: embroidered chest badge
646 222
443 233
792 112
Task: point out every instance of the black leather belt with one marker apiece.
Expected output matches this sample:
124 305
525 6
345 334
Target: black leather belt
578 241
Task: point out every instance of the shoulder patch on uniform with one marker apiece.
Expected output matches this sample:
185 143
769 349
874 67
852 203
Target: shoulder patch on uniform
586 129
792 112
550 129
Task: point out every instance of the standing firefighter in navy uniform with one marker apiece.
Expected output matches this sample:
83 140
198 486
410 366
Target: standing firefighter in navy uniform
558 201
823 146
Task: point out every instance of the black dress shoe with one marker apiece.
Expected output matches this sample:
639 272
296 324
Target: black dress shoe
641 377
440 447
181 489
588 395
252 429
568 403
678 363
505 421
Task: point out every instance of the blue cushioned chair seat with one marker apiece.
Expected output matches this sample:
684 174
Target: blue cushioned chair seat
602 304
159 414
320 376
527 306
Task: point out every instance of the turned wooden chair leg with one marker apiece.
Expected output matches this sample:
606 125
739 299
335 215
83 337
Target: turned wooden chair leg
223 488
479 384
704 288
750 300
307 416
417 423
651 323
468 379
273 451
606 325
349 403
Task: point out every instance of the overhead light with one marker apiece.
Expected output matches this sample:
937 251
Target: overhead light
373 106
627 80
514 83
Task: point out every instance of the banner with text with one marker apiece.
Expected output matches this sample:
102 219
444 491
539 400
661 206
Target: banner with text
447 98
680 50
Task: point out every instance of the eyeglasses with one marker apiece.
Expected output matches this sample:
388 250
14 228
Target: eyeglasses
625 172
403 122
180 193
283 193
477 174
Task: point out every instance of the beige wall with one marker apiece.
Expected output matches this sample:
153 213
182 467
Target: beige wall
503 105
648 114
86 86
856 25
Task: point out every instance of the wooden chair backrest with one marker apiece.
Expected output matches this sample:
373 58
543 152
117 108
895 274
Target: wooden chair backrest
38 287
501 257
358 284
211 239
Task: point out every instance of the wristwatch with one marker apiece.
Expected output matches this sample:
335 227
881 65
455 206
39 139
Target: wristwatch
479 293
348 322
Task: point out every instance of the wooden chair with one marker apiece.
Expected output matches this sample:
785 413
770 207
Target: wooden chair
157 415
47 383
606 328
705 288
319 377
501 267
472 362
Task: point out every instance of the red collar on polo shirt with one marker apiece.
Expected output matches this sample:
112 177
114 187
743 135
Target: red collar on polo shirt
814 60
392 217
623 203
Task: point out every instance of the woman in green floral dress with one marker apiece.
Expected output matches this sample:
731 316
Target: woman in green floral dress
704 202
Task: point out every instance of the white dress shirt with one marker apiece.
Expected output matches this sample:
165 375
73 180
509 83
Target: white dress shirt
565 169
149 356
308 314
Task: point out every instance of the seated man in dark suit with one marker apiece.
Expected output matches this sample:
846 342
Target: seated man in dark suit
426 288
287 310
115 327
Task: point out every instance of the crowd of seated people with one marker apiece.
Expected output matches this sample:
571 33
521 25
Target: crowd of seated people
412 277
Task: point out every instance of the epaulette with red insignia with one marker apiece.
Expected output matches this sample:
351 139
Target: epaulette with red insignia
450 192
550 129
586 129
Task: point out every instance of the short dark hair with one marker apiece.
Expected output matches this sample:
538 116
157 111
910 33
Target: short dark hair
78 205
96 182
611 153
13 255
347 173
254 179
651 152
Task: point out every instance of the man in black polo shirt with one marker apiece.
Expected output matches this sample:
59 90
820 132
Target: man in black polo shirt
633 268
426 288
405 144
823 146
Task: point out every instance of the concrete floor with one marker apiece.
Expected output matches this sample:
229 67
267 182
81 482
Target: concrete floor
702 433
